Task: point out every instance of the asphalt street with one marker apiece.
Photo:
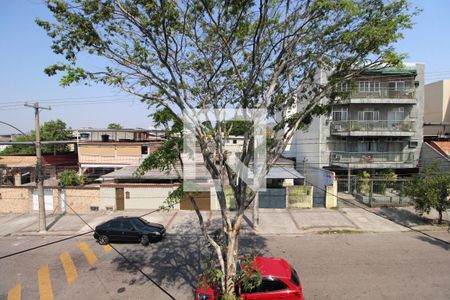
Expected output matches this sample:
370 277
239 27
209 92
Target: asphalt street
398 265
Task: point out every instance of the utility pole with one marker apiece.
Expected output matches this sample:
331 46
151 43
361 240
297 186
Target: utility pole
39 171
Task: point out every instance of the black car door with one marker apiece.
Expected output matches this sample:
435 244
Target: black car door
129 232
114 232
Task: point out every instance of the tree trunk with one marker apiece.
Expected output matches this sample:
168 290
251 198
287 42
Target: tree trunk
232 247
440 217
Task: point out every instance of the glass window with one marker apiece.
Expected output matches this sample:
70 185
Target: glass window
126 225
271 285
369 86
340 114
144 150
114 225
294 277
343 87
397 85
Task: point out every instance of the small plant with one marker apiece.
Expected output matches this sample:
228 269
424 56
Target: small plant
71 178
363 185
406 126
388 180
355 126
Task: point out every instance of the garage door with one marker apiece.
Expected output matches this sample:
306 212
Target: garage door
273 198
203 200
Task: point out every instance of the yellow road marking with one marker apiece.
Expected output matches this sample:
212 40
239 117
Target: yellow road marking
107 248
88 253
69 267
45 284
15 292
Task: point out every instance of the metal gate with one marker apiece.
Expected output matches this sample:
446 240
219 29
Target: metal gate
318 197
272 198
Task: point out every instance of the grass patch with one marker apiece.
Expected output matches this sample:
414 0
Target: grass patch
340 231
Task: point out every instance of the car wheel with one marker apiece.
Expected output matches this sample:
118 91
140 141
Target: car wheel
103 240
144 240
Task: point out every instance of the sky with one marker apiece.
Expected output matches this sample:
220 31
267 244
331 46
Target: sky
25 52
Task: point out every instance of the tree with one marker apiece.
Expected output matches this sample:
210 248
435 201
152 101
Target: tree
114 126
183 55
50 131
18 149
430 189
70 178
55 131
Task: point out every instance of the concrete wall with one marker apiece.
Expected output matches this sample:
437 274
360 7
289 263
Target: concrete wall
20 199
82 199
433 106
136 197
16 200
331 195
300 196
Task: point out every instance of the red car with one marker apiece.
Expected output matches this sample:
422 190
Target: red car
279 281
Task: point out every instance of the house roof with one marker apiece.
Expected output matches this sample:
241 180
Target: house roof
283 173
442 146
128 172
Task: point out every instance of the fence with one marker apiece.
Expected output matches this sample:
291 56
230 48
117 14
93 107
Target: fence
375 192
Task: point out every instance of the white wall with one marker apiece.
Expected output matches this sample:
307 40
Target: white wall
140 197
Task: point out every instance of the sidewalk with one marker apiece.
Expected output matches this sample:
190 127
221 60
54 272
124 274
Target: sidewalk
271 221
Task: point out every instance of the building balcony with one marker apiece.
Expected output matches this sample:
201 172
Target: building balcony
370 128
371 160
383 96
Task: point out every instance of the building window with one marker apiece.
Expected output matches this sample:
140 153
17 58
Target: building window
340 114
397 114
144 150
397 85
343 87
234 141
369 86
127 195
368 115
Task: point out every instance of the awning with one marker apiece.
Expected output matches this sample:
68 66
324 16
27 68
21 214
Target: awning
392 72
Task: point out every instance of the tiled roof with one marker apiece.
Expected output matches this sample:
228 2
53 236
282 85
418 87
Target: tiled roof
442 146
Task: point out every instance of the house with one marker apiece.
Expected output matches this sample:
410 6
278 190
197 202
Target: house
378 128
123 189
436 153
436 116
101 151
21 169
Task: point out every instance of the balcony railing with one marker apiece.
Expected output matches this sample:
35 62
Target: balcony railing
371 157
386 93
379 125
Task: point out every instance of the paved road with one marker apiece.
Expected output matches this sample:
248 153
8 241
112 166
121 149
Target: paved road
343 266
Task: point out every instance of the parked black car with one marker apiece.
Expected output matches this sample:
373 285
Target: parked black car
129 229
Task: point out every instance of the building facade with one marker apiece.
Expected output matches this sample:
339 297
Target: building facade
101 151
378 128
436 117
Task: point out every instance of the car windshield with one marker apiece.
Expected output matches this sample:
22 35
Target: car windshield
294 277
142 222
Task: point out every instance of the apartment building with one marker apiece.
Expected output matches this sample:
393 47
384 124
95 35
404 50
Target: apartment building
378 128
436 116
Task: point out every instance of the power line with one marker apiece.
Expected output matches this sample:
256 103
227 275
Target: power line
124 257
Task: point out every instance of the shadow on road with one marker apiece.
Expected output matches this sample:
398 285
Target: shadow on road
176 261
435 242
404 216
